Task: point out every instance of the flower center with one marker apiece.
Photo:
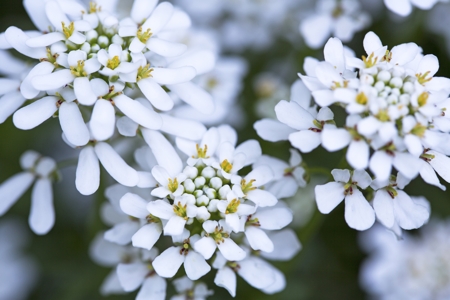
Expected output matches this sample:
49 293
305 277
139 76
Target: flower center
143 36
232 206
79 71
68 31
422 99
226 166
419 130
422 78
93 8
144 72
180 210
370 61
113 62
201 152
173 185
361 98
219 235
247 187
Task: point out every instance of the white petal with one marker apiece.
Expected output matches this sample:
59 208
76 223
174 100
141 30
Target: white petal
334 54
133 205
262 198
256 272
13 188
166 48
121 233
159 17
55 14
168 262
305 140
202 60
42 213
401 7
155 94
138 113
153 287
226 278
274 218
381 165
293 115
408 214
173 76
407 164
37 14
278 285
286 245
9 103
358 154
160 209
230 250
147 236
195 265
328 196
45 39
73 125
83 91
175 226
26 88
272 130
384 209
164 152
195 96
115 165
35 113
206 247
102 120
316 29
87 178
252 151
53 80
188 129
335 139
358 212
17 39
404 53
258 239
441 164
131 275
142 9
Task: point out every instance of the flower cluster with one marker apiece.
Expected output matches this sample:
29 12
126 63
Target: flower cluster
209 210
396 110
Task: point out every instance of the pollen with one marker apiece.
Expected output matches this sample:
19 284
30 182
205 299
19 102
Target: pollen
201 152
144 72
422 99
79 71
173 185
226 166
68 31
143 36
361 98
113 62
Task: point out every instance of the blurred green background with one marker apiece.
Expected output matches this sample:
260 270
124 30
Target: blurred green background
326 268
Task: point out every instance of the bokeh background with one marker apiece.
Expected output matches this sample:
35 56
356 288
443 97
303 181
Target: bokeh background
328 265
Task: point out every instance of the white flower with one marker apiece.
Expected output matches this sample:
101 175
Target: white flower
186 287
413 268
44 171
358 212
287 177
393 206
169 261
336 18
182 210
217 235
233 210
203 152
404 7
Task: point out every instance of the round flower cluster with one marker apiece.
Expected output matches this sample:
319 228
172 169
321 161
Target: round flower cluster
209 211
416 267
396 119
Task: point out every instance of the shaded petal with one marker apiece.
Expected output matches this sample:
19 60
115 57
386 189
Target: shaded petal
168 262
115 165
195 96
147 236
358 212
195 265
73 125
328 196
87 177
13 188
35 113
42 213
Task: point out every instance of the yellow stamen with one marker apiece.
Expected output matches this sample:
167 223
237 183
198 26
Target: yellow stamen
361 98
113 63
79 71
226 166
144 72
143 36
68 31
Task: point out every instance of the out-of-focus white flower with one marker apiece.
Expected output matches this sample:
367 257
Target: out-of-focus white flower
18 272
333 18
416 267
187 288
42 171
404 7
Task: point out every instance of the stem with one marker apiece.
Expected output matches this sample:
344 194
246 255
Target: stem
67 163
